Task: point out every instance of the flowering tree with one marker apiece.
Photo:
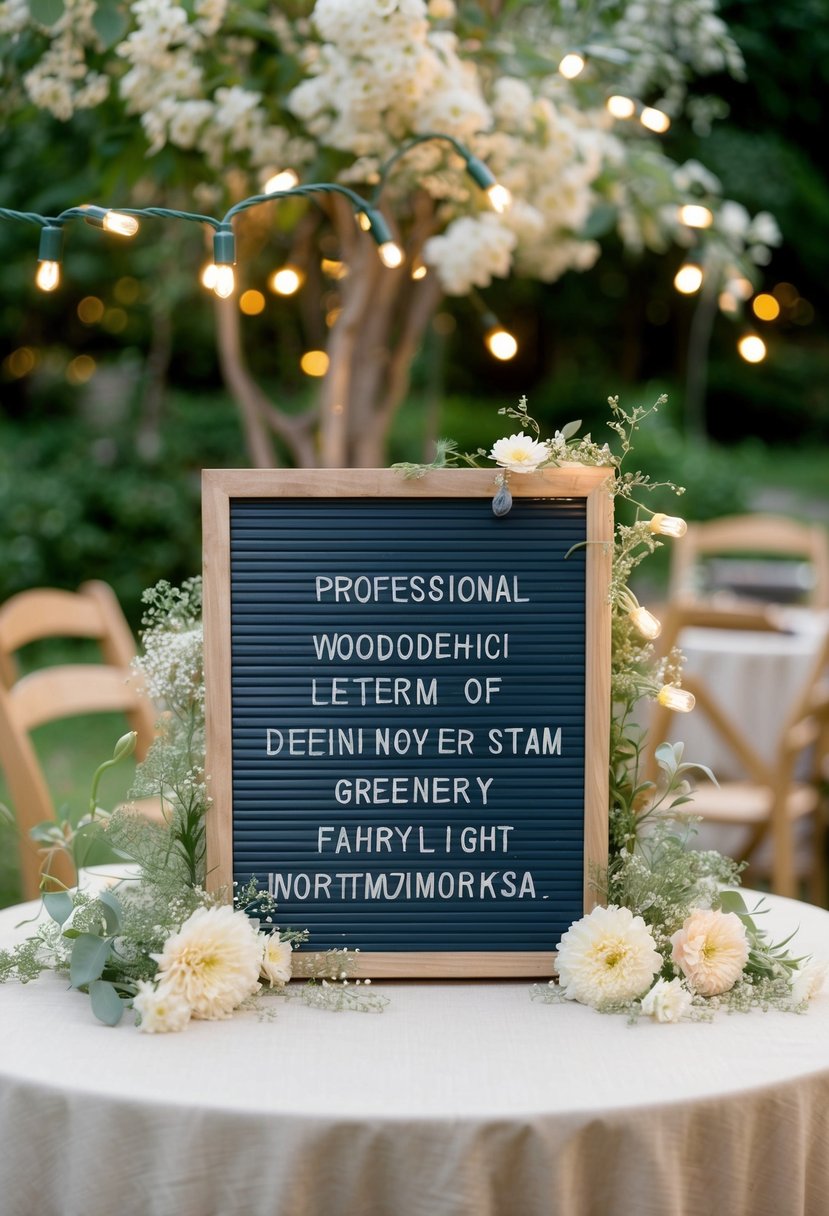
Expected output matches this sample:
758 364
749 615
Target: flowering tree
238 89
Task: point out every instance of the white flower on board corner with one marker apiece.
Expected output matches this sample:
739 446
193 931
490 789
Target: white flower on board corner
607 957
519 453
711 950
160 1008
276 960
667 1001
212 962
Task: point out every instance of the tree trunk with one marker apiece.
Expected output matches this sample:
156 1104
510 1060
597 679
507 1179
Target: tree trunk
371 347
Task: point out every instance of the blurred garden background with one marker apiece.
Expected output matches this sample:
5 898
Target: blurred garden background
121 385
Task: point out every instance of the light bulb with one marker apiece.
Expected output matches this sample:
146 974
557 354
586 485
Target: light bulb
765 306
285 180
655 120
499 197
752 348
225 281
668 525
646 623
620 107
391 254
501 344
286 281
48 275
208 275
363 221
694 215
419 271
688 278
677 699
572 65
122 225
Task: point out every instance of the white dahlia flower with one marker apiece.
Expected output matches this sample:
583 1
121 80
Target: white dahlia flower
213 961
607 957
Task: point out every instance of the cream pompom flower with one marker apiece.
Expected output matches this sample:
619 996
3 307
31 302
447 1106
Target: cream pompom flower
276 960
213 961
711 950
161 1010
607 957
519 453
667 1001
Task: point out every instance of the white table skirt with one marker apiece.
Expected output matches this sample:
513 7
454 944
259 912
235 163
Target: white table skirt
462 1099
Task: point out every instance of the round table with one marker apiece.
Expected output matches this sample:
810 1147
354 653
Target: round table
461 1099
757 677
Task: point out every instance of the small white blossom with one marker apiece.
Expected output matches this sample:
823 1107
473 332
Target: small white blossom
667 1001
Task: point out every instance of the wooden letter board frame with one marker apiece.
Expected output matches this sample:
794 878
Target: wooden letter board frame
222 487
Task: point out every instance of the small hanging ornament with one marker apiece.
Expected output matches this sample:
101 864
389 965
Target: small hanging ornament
502 502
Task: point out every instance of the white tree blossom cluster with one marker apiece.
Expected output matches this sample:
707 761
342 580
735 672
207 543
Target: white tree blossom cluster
366 75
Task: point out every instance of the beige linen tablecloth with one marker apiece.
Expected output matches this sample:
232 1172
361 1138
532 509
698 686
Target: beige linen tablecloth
462 1099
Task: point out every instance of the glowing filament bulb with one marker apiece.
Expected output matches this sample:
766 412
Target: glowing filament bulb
419 271
752 348
499 197
620 107
501 343
694 215
668 525
208 275
646 623
225 281
285 180
677 699
655 120
48 275
122 225
688 278
287 281
391 254
572 65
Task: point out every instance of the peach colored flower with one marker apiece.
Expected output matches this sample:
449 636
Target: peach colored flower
711 950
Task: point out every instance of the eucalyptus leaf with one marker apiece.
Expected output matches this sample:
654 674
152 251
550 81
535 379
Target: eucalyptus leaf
48 832
59 905
89 957
570 429
732 901
46 12
110 24
113 912
106 1003
610 54
599 222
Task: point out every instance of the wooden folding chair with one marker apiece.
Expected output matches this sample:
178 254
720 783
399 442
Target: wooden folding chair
779 790
62 691
766 536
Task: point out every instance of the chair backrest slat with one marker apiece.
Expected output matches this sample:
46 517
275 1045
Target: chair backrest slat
61 691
